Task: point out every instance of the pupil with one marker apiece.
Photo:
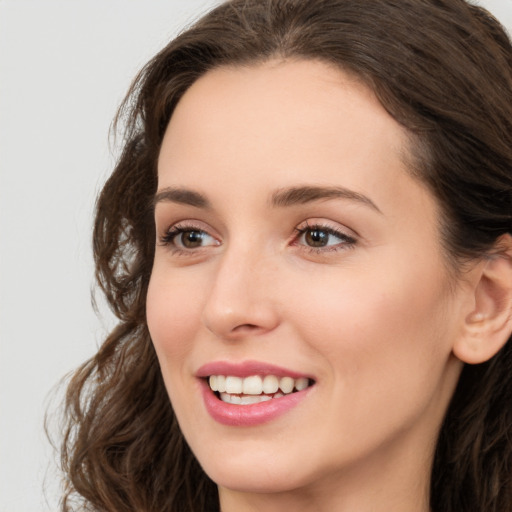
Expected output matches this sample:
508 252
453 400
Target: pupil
192 239
316 238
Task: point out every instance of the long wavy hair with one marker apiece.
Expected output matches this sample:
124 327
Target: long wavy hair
443 70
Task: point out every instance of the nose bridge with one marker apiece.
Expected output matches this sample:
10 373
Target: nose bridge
240 298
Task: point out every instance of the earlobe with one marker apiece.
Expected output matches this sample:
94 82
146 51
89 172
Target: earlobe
488 326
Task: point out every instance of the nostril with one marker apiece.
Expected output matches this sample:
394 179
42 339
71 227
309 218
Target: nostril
245 327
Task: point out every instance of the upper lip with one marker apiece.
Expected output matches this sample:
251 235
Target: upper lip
246 369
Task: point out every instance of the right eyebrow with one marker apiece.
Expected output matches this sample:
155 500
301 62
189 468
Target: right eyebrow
311 193
181 196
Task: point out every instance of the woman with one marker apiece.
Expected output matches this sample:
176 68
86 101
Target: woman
306 242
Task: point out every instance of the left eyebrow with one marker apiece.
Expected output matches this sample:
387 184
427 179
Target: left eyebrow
182 196
308 194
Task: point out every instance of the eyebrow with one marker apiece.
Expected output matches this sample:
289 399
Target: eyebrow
182 196
279 199
308 194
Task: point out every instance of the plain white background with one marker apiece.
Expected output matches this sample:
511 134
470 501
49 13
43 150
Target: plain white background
64 68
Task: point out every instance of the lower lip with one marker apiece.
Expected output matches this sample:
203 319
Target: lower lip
249 415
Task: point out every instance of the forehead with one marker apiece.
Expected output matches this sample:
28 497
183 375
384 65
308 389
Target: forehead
287 94
248 131
269 111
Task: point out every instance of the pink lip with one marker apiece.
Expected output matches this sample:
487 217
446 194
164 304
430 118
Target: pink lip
246 369
247 415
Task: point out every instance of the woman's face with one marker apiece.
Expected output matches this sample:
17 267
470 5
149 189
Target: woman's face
294 249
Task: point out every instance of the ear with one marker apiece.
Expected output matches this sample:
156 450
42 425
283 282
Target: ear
488 325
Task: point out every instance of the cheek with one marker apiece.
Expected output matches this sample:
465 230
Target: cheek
173 309
378 327
384 344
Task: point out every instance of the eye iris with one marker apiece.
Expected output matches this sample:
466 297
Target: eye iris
191 239
316 238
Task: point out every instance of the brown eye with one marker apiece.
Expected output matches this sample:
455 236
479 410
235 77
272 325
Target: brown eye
316 238
192 239
187 238
324 237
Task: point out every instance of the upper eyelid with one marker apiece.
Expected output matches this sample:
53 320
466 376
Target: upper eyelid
178 228
315 223
312 223
344 238
181 226
328 229
169 236
187 224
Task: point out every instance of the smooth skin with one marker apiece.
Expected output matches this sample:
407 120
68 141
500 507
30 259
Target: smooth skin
348 284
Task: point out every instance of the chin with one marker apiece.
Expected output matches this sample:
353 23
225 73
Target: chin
255 479
257 470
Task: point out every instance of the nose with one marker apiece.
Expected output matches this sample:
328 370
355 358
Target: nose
242 300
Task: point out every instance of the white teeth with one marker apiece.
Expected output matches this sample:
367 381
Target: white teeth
244 400
221 383
270 384
252 399
234 385
301 384
252 385
235 399
256 386
286 384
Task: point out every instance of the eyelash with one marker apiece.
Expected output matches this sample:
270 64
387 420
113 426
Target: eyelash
168 239
346 241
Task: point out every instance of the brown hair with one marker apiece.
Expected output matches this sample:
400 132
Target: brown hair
443 69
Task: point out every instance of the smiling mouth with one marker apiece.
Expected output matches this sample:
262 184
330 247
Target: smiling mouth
255 388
